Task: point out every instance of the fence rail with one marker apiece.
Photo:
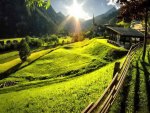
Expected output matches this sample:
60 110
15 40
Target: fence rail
103 104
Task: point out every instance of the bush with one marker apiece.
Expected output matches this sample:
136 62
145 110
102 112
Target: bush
88 34
38 43
28 39
24 50
34 43
8 47
54 38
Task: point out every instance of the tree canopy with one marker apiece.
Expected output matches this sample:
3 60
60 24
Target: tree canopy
40 3
133 9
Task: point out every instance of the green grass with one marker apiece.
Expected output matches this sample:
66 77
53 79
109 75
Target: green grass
11 62
70 60
8 56
64 97
64 80
135 95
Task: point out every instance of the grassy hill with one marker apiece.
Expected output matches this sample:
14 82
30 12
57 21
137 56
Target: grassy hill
67 61
64 80
63 97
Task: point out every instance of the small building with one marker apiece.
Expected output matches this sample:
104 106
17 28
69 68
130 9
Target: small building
124 36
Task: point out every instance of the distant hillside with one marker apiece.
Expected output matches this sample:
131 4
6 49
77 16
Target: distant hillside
107 18
16 20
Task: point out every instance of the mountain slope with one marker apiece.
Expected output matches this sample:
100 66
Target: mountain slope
17 20
107 18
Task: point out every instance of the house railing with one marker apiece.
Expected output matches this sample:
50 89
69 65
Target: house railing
103 104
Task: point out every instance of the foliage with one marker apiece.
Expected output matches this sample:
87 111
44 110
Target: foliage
28 39
54 38
63 33
40 3
24 50
123 24
133 9
9 44
88 34
34 42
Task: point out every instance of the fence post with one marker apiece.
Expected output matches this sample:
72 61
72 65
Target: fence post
116 68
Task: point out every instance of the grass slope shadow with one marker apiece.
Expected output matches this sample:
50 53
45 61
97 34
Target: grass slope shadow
147 81
125 91
18 67
136 88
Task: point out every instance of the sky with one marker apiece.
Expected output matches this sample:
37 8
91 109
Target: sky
96 7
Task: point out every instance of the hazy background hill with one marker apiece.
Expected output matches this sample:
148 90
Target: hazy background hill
110 17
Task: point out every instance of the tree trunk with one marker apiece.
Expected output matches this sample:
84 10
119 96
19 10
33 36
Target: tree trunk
145 36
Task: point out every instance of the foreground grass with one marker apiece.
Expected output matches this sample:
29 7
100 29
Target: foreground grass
135 95
64 97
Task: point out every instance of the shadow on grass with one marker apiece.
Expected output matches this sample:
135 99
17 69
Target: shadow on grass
125 91
18 67
49 81
10 71
147 82
136 88
148 55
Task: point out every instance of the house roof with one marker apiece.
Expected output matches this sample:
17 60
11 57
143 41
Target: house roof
126 32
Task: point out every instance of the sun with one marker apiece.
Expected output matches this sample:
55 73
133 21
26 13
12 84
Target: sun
77 11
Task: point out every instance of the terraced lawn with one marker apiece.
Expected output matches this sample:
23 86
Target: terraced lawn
69 60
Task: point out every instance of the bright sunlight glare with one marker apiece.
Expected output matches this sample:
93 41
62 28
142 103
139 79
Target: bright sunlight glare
76 11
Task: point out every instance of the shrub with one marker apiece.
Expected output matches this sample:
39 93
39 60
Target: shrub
88 34
28 39
24 50
54 38
38 43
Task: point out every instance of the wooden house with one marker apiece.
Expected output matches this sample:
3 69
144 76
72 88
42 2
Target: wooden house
124 36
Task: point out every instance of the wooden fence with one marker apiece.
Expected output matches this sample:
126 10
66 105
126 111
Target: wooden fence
103 104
